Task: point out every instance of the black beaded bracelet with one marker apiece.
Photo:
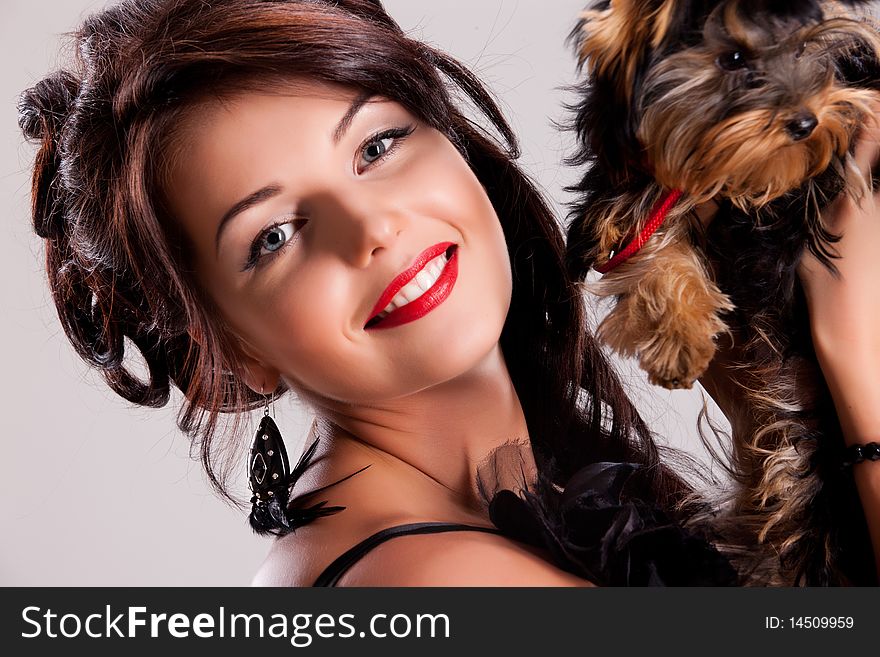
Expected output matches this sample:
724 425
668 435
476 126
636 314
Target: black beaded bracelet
858 453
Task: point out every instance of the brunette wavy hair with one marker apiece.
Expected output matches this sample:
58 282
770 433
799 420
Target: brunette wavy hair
119 265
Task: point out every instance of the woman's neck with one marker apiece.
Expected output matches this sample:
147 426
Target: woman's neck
440 434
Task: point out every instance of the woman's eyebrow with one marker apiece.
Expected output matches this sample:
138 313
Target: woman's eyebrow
249 201
349 115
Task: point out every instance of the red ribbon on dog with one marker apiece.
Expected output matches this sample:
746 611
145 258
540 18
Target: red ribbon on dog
658 215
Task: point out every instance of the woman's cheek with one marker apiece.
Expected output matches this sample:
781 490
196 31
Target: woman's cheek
310 334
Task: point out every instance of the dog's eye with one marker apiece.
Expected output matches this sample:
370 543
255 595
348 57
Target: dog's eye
800 50
732 61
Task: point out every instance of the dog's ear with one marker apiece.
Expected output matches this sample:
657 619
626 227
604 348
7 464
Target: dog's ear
613 36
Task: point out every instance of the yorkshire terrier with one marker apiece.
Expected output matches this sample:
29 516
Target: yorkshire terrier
752 106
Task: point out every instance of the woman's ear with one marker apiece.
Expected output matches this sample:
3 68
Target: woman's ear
250 367
257 375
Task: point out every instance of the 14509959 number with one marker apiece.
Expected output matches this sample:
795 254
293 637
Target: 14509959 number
821 622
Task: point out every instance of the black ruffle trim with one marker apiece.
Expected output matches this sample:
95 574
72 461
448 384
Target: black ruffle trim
594 529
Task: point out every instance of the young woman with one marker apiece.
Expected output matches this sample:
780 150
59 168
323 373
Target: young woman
270 197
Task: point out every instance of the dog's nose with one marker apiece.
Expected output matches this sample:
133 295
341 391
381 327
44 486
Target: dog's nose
802 126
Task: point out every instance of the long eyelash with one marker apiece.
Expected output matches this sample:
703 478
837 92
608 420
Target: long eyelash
398 134
254 257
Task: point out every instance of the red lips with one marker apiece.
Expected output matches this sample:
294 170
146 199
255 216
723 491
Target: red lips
427 301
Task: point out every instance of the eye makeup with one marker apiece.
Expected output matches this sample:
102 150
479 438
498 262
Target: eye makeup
398 135
255 254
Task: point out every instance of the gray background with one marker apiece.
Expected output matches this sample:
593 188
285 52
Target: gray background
95 492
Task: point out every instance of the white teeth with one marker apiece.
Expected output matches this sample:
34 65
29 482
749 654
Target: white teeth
422 282
425 279
411 291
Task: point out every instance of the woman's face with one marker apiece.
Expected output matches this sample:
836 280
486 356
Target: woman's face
304 205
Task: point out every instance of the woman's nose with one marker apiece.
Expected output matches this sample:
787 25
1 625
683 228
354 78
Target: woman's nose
360 227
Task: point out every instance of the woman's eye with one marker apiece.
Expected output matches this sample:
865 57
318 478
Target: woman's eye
272 240
275 237
376 149
381 146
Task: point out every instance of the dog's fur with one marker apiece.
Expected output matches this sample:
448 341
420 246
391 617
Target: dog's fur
766 134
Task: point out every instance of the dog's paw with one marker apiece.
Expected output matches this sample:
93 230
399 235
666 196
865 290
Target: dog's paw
674 361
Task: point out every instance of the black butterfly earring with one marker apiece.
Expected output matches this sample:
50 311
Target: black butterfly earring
271 481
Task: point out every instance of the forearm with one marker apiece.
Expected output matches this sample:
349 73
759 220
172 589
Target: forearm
855 387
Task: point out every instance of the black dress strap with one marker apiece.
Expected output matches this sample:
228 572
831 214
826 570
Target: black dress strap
332 573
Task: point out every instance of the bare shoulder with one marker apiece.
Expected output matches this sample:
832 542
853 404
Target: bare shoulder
457 558
288 563
297 558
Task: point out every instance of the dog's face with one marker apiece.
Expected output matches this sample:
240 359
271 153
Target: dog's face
741 98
